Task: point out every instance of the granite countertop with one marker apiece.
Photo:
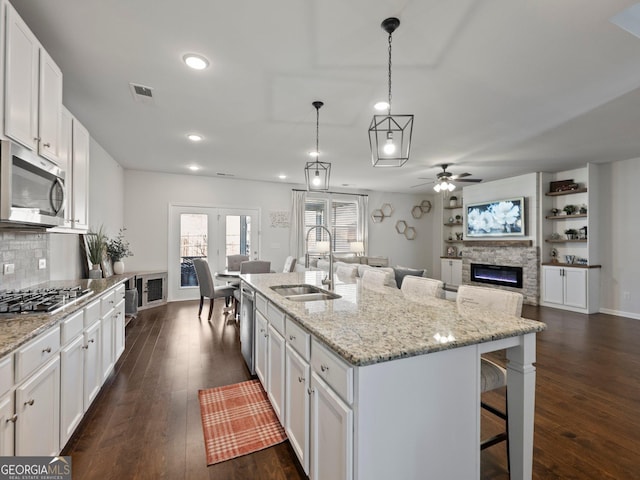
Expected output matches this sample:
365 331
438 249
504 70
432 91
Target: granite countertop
17 329
367 326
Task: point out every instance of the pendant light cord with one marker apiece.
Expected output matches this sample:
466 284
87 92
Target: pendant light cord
317 133
389 74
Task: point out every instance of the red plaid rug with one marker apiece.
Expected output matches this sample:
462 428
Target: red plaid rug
237 419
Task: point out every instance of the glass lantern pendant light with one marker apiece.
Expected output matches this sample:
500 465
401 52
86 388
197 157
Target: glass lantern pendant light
317 172
390 135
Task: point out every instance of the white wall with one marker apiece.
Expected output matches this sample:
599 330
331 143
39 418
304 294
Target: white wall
106 197
620 231
521 186
148 195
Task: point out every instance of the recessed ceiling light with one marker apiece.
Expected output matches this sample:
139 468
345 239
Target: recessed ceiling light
197 62
194 168
194 137
381 105
282 176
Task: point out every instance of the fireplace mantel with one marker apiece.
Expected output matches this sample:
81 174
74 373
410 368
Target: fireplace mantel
498 243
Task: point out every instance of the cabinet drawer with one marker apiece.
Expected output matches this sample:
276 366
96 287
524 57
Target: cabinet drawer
261 304
276 317
36 353
298 339
6 374
92 313
71 327
107 301
119 292
333 370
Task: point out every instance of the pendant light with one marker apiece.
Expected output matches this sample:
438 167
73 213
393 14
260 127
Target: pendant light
390 135
317 172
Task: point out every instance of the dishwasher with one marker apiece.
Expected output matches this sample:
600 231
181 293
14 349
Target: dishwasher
247 321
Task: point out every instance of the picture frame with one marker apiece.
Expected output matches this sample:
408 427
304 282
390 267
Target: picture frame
84 255
107 266
452 251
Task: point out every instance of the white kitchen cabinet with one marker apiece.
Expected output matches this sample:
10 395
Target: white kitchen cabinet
71 387
572 288
38 410
92 370
7 425
297 404
107 303
80 176
276 371
118 330
261 348
331 434
451 271
33 90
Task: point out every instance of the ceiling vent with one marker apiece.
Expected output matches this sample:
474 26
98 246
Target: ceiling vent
141 93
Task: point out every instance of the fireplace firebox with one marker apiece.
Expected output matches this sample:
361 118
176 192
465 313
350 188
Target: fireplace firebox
497 275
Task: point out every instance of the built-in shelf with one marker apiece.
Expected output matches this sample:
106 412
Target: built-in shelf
453 241
452 208
498 243
566 192
573 265
573 240
564 217
454 224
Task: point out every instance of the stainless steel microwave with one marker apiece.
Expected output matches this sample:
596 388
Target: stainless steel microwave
32 191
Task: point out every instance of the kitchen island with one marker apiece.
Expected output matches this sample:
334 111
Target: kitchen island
406 385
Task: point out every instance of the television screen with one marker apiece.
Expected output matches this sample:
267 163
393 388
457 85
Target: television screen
496 219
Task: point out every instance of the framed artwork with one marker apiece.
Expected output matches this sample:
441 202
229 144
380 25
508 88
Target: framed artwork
107 266
84 255
452 251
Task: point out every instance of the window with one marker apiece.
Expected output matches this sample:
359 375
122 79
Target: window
339 215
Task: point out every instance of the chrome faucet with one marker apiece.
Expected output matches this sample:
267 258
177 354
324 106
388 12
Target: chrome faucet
328 280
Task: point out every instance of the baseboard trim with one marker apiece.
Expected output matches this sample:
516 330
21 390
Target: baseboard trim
619 313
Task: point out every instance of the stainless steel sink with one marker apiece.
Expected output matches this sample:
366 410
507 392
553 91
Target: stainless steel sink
304 292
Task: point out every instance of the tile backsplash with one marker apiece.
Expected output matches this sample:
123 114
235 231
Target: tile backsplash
23 250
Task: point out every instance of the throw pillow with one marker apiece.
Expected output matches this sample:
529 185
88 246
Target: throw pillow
402 272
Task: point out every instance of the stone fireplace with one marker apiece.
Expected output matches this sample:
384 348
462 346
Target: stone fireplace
512 253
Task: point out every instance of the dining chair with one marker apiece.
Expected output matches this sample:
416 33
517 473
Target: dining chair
207 288
492 375
289 264
234 261
417 288
250 266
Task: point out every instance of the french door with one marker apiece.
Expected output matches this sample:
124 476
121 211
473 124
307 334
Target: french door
211 233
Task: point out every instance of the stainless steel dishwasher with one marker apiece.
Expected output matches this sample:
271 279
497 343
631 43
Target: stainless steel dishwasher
247 321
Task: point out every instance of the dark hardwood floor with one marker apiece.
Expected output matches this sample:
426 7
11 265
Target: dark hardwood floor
146 421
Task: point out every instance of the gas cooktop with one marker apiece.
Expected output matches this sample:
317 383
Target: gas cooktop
41 300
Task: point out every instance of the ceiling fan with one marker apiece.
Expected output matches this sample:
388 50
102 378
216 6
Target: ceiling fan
444 180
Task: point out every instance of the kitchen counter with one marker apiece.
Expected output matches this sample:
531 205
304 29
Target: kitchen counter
367 326
17 329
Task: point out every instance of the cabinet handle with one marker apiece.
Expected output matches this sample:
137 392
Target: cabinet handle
91 340
310 391
85 347
266 335
292 337
324 368
36 139
12 418
301 379
262 330
29 402
47 350
46 145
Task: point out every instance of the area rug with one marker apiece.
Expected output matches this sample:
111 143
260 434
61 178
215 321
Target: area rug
237 420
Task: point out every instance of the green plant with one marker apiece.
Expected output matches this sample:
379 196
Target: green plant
96 244
571 233
118 248
569 209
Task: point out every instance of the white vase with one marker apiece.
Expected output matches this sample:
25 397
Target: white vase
118 267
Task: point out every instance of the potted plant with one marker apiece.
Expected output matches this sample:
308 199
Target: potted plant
555 211
569 209
453 201
583 209
458 218
96 245
117 249
571 233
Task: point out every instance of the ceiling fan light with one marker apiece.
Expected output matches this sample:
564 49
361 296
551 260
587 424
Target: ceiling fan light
436 187
451 187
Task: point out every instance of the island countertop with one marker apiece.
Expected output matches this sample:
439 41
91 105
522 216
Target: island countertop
367 326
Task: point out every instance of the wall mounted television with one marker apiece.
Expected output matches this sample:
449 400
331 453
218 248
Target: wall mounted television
500 218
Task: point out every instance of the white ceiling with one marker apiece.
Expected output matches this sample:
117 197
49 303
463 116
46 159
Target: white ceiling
498 87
